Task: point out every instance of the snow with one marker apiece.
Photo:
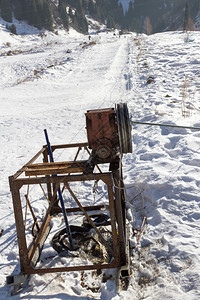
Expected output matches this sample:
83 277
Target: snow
50 81
125 4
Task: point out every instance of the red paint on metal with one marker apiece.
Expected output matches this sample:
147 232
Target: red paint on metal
102 131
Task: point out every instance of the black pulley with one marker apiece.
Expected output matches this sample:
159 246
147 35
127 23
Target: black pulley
124 128
60 241
98 219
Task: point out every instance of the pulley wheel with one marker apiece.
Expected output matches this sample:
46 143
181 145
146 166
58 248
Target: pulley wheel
124 128
98 219
60 241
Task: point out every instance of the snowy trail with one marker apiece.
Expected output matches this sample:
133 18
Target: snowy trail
87 81
90 76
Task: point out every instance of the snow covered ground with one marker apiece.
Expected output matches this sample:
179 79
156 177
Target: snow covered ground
50 81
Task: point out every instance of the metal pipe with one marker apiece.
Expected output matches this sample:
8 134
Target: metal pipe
60 195
165 125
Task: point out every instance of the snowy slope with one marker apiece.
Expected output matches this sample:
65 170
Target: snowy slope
50 81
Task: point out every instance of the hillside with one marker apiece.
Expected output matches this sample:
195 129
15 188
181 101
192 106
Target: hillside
49 81
162 14
142 16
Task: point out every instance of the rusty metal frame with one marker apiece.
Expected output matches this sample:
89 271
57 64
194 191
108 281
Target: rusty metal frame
29 255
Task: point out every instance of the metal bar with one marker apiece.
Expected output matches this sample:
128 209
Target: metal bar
58 165
62 179
19 172
54 171
90 220
77 153
96 165
86 208
39 237
32 212
125 269
45 160
53 200
77 209
54 147
164 125
47 219
26 209
23 251
113 220
113 264
60 195
39 248
21 278
44 192
119 208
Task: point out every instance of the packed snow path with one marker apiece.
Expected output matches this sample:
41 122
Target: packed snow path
89 76
50 82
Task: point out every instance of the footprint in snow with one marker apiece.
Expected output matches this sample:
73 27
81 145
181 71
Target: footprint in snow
192 162
167 130
150 156
171 144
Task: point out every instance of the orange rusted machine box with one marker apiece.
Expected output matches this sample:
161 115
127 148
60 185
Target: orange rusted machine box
102 133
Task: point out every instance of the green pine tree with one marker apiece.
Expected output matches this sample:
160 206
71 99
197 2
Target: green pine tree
85 4
186 17
91 8
110 22
32 14
45 14
6 10
80 22
63 14
19 10
79 7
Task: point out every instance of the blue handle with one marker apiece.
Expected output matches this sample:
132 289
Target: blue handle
60 195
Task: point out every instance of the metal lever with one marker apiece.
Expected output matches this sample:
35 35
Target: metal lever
60 195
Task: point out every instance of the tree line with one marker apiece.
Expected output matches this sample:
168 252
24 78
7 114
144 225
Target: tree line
142 16
37 12
45 13
159 15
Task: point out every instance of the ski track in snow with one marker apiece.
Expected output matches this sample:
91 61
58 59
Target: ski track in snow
51 85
